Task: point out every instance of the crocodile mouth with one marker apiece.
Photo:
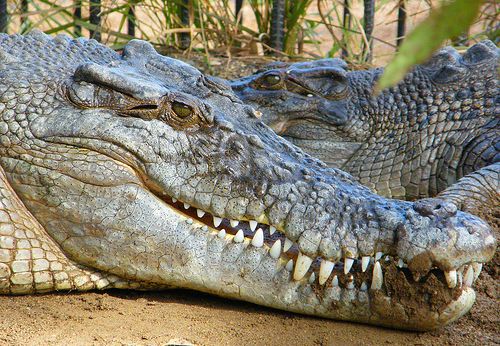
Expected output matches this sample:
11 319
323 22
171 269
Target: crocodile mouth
362 272
388 275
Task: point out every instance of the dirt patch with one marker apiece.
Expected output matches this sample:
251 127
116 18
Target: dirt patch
430 293
154 318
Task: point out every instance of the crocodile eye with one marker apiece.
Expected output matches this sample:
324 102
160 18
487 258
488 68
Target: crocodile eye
271 81
182 110
339 88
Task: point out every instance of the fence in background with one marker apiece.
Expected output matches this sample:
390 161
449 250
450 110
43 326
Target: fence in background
282 26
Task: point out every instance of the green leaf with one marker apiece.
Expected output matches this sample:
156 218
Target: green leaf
450 20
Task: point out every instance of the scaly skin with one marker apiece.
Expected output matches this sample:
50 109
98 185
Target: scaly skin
441 123
103 155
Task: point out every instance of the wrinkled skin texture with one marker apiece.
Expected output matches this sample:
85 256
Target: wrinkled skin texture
415 140
102 156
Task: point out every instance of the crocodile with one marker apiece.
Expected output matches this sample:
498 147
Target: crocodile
440 125
135 170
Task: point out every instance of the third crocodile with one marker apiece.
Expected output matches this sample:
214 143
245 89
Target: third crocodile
135 170
438 125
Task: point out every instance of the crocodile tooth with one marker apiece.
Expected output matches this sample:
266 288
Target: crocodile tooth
289 265
348 265
272 229
401 264
477 269
288 244
469 276
378 256
302 266
174 200
335 281
234 223
189 221
312 278
325 270
377 277
309 95
186 206
460 278
217 221
363 287
461 269
365 260
253 225
350 285
387 258
275 251
258 238
238 238
416 276
451 278
222 233
204 228
200 212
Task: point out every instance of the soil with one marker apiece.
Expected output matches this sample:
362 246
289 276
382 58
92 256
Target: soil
172 317
185 317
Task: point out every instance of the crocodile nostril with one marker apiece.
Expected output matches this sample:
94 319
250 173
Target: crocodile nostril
435 207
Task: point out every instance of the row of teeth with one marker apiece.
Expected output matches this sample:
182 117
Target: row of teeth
234 223
457 277
304 262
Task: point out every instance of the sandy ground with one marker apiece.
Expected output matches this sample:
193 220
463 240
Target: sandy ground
157 318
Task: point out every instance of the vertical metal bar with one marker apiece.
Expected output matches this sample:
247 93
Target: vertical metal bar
184 13
347 25
77 15
131 20
95 18
24 10
238 6
3 16
278 25
238 17
401 22
369 14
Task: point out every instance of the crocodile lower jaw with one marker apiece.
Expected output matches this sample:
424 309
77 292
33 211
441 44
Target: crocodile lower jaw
365 273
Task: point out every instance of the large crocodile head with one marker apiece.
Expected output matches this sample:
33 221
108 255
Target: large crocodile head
141 166
412 141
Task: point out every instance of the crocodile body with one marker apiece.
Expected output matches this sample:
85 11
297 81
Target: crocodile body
415 140
135 170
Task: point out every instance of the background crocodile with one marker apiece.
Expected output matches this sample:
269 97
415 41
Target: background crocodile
414 140
136 170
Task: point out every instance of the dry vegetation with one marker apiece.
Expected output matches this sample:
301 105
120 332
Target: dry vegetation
313 28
